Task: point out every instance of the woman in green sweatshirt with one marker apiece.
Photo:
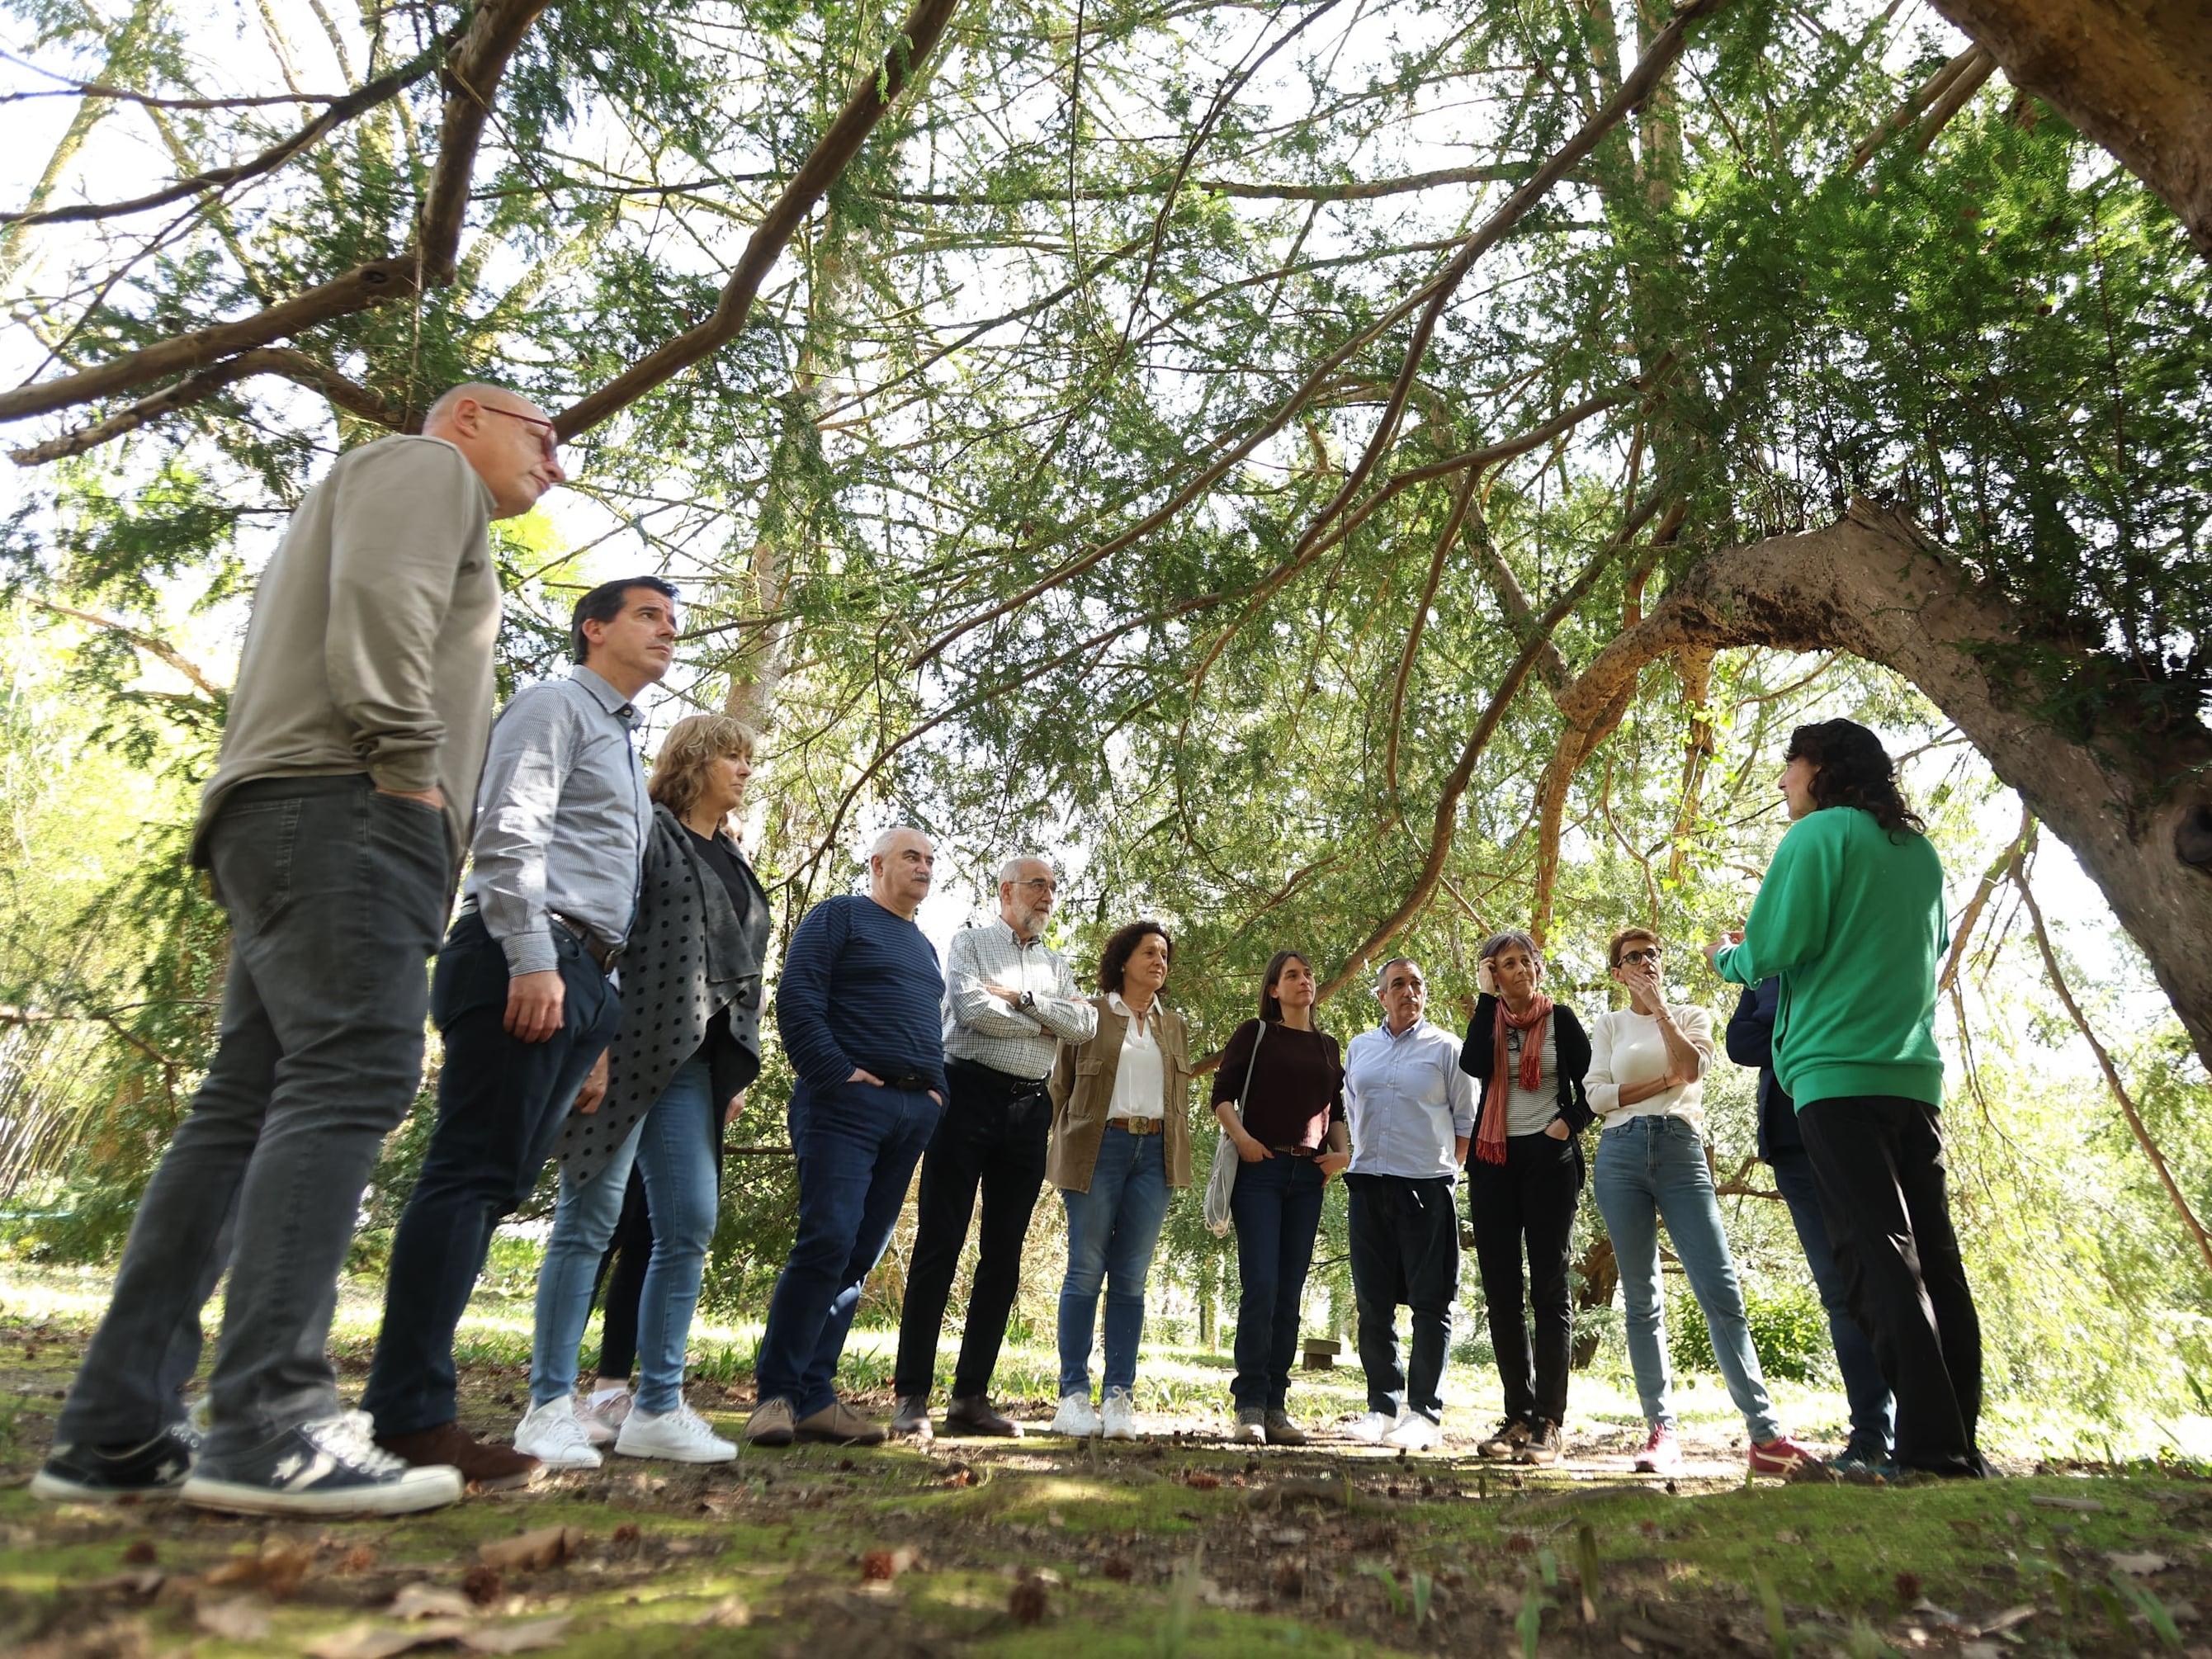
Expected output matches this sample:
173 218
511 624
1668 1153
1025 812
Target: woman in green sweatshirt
1850 919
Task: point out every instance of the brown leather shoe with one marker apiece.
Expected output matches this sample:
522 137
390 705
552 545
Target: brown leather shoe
974 1415
485 1467
838 1426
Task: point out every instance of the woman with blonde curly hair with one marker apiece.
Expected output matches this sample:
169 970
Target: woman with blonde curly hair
688 1047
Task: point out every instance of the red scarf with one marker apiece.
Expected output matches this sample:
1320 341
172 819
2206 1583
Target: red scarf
1490 1136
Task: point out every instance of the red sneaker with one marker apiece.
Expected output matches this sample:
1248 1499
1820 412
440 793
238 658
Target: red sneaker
1660 1456
1782 1456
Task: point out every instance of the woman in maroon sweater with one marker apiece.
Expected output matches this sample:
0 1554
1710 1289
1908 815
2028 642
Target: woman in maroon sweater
1291 1140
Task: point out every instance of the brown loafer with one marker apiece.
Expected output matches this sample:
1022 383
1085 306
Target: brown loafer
974 1415
838 1426
485 1466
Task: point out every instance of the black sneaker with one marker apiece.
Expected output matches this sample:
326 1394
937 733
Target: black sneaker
330 1466
84 1473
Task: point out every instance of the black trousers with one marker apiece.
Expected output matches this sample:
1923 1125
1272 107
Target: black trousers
992 1136
1405 1248
621 1282
1879 1161
501 1105
1530 1199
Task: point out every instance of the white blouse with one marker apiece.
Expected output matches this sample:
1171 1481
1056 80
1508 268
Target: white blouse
1625 1048
1140 1082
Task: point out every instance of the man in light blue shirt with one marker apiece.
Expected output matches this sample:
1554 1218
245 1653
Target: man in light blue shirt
522 998
1412 1111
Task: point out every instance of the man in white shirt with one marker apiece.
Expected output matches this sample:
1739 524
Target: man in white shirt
1010 1001
1412 1111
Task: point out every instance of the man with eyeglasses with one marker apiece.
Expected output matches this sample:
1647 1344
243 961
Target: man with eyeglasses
1010 1002
524 1003
332 830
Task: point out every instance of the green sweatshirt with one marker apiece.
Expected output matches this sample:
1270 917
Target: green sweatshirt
1851 920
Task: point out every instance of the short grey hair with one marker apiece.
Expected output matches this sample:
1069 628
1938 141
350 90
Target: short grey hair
1012 869
881 846
1384 972
479 390
1497 942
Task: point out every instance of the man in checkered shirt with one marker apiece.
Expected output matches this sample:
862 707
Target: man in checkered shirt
1009 1004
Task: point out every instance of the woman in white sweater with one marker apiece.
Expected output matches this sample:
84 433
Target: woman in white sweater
1646 1082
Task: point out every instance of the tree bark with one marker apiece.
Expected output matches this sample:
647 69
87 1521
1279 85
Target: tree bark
2135 75
2133 805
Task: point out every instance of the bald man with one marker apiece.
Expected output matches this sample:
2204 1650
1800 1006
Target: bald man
332 830
858 1010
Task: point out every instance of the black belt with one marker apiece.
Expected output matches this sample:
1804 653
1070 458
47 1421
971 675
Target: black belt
1006 1080
912 1082
606 955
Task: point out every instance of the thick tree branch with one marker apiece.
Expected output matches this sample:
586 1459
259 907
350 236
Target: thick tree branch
341 110
293 366
871 97
158 649
473 73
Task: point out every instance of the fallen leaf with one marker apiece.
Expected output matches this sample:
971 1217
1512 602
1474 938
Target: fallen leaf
1788 1537
886 1565
1118 1568
2079 1505
482 1585
731 1612
516 1638
548 1546
367 1641
140 1553
2005 1621
239 1619
1026 1602
278 1569
2138 1564
359 1558
1200 1481
430 1601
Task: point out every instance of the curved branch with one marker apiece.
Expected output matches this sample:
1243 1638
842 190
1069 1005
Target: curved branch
160 649
473 71
293 366
871 97
367 96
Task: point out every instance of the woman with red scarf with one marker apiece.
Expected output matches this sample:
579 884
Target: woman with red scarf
1529 1056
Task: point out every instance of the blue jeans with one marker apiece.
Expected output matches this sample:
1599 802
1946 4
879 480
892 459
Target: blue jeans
1276 1205
1653 1169
857 1145
1111 1233
1872 1415
670 1147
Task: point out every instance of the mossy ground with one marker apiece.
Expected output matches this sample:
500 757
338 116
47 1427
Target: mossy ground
1179 1544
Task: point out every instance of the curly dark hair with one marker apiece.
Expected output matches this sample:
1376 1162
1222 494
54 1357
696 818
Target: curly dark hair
1851 768
1271 1005
1121 946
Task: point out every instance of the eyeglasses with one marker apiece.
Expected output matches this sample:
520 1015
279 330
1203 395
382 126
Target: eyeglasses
547 434
1627 957
1042 883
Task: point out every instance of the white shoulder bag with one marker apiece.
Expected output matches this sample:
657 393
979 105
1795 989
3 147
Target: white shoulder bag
1221 1180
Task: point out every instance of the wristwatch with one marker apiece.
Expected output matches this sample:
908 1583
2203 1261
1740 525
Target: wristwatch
1028 1001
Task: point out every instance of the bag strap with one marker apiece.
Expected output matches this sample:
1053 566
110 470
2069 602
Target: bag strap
1251 1065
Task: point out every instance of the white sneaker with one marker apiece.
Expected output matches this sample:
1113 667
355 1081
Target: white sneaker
1118 1417
603 1417
1370 1430
681 1436
1413 1432
1075 1417
552 1434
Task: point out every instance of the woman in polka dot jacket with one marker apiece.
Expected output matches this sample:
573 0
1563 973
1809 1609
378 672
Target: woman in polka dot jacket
689 1045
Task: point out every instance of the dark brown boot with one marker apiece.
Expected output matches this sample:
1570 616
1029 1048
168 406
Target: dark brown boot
485 1467
974 1415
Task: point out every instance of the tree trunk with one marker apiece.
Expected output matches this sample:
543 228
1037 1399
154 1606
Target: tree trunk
2134 74
2136 806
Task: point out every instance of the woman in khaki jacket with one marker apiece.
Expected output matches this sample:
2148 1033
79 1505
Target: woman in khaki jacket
1121 1138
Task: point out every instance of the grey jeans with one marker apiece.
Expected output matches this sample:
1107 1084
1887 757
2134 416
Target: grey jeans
336 895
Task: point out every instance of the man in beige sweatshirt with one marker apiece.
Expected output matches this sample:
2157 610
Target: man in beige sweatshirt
332 830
